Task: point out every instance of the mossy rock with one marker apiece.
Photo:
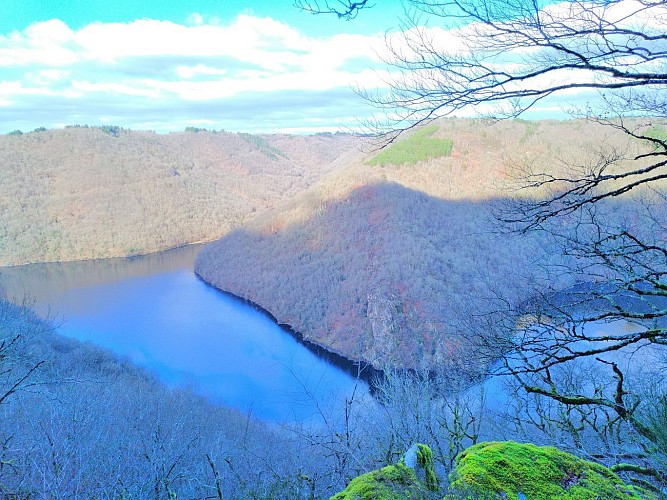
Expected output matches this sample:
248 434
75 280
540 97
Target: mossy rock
395 482
516 471
419 458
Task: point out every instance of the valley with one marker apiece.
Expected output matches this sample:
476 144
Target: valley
393 261
342 250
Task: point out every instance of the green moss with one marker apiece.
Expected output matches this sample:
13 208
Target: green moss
419 146
394 482
425 460
513 471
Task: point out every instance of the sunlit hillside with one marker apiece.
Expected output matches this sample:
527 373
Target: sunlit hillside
386 263
82 193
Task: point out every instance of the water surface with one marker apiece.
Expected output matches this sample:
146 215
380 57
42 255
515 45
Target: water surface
154 310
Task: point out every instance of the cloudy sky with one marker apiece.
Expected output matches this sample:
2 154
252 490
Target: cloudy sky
163 65
166 64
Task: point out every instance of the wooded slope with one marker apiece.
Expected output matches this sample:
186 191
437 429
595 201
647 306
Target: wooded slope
82 193
387 264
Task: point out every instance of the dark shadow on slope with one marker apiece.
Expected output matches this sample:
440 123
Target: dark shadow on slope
380 277
388 276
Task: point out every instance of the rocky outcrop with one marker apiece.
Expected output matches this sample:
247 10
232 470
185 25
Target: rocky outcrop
411 478
514 471
495 470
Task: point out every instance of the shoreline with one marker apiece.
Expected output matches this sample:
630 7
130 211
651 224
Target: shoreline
132 256
356 369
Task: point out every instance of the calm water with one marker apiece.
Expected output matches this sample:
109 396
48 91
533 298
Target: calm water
155 311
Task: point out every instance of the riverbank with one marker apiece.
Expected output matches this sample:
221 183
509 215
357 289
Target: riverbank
355 368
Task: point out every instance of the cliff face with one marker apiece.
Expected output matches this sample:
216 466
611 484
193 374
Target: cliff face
82 193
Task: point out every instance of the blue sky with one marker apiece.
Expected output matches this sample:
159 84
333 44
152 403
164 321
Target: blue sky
168 64
163 65
18 14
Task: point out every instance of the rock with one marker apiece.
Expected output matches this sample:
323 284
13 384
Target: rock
419 458
411 478
525 471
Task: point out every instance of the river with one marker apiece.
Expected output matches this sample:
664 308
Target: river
155 311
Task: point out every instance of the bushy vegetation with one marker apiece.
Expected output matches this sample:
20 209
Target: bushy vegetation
80 422
87 424
392 266
381 276
83 192
398 267
420 146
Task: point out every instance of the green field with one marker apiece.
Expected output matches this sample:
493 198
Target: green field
418 147
656 132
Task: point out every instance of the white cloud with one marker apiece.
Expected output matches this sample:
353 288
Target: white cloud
94 72
46 43
195 19
258 42
483 63
140 72
189 72
49 33
113 89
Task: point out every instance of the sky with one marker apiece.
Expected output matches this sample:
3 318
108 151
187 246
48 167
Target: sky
163 65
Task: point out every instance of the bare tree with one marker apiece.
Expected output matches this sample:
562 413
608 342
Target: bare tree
500 58
608 214
18 327
344 9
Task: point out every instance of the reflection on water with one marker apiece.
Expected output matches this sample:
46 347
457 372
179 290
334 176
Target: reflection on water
41 282
640 363
154 310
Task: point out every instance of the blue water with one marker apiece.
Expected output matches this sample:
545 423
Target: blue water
190 334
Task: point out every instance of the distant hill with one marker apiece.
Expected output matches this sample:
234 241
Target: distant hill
386 263
83 193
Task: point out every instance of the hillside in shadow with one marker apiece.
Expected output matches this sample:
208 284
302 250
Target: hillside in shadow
390 263
387 275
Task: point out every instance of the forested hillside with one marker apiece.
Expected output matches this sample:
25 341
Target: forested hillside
386 264
78 421
82 193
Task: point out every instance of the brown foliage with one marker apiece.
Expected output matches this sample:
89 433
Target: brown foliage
383 263
81 193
